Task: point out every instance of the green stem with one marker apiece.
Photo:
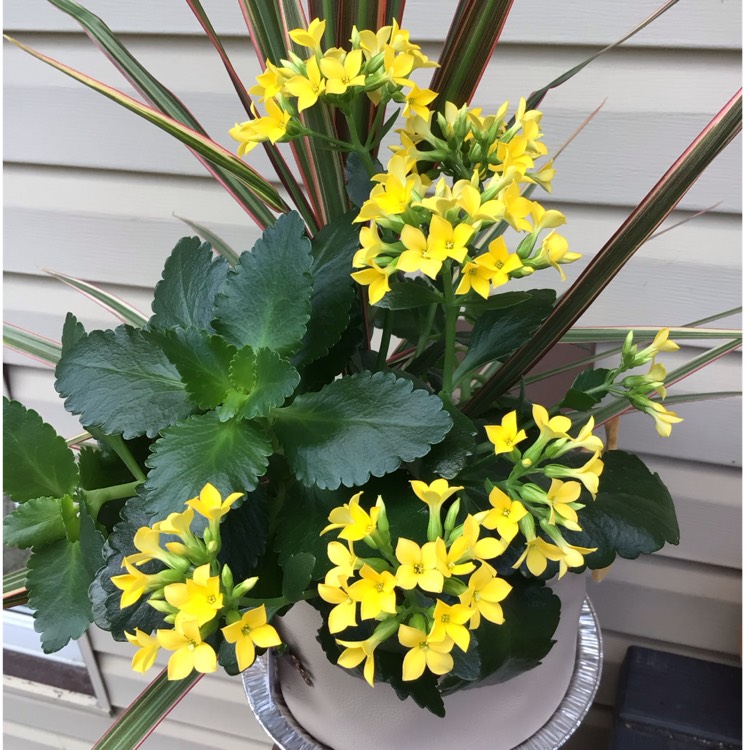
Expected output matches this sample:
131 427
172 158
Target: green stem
385 341
451 319
117 444
424 337
96 498
359 147
70 518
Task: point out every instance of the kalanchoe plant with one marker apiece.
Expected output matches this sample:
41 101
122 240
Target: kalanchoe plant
251 417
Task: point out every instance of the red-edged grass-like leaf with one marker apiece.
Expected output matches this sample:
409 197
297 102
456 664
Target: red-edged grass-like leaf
162 99
217 155
322 169
471 40
15 592
37 347
636 229
277 160
219 245
146 712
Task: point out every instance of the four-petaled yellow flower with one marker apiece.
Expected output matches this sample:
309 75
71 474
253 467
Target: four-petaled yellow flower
486 548
341 75
664 419
376 278
134 584
560 496
199 598
448 241
506 435
311 36
435 493
499 261
345 561
307 88
355 652
148 648
554 251
344 614
482 597
190 652
550 428
450 622
355 523
209 503
419 566
251 630
475 277
455 561
536 555
375 591
424 652
588 474
503 516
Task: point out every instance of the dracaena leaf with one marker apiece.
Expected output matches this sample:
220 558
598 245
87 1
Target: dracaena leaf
37 347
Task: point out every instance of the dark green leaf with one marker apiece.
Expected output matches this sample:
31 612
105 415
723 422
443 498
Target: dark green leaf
202 361
359 426
92 542
447 459
410 293
72 332
244 535
532 613
498 333
477 305
230 455
266 301
633 513
58 583
35 523
191 278
219 245
358 183
298 570
577 398
122 382
36 460
333 288
101 467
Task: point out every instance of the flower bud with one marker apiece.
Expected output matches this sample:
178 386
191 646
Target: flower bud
450 518
227 579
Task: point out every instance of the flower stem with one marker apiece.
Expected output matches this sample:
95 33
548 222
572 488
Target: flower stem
451 319
96 498
117 444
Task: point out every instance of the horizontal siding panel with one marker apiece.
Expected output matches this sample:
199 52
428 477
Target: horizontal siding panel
692 24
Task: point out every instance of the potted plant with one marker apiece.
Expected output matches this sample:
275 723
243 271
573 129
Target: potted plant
254 455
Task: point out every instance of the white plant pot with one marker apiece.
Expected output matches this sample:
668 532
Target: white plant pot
343 712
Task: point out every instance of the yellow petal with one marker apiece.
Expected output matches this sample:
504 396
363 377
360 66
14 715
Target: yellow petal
180 664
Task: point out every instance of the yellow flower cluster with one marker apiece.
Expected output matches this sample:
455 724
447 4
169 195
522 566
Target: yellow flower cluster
384 587
524 507
378 65
417 222
191 593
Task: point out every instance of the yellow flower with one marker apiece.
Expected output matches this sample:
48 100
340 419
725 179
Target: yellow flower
345 561
506 435
475 277
417 100
419 256
450 622
148 648
661 343
544 219
448 241
556 427
342 75
503 516
480 549
146 541
270 82
177 524
272 128
251 630
482 597
190 652
560 496
500 262
397 66
435 493
418 566
373 42
371 246
355 522
588 474
423 652
587 440
536 555
455 561
376 278
134 584
516 208
554 251
375 592
311 36
209 503
200 597
344 614
355 652
572 557
308 88
513 155
664 419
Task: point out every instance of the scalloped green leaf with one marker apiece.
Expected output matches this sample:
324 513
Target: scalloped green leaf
191 278
266 301
633 513
359 426
122 382
230 455
36 460
35 523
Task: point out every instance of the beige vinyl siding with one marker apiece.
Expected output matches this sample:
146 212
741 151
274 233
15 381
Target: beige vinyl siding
93 191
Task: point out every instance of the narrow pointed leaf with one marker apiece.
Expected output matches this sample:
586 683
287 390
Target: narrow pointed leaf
717 316
637 228
687 398
37 347
214 153
597 334
146 712
14 580
213 239
471 40
119 308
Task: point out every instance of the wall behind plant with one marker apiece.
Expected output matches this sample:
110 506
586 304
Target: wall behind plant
93 191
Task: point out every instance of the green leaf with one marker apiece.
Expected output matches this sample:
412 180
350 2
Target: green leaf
476 305
14 580
498 333
191 278
137 721
358 182
266 302
230 455
577 398
359 426
92 542
37 347
410 293
201 359
122 382
532 613
36 523
333 288
36 460
447 458
633 513
298 571
72 332
263 380
58 583
244 535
